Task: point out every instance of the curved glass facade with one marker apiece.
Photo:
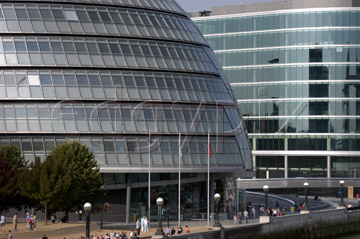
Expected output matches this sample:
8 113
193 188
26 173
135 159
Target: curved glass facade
296 76
126 78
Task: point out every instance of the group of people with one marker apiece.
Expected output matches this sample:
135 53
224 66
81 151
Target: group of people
171 232
250 212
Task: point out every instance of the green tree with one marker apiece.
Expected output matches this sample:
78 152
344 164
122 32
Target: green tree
55 183
67 179
48 183
86 177
13 154
8 181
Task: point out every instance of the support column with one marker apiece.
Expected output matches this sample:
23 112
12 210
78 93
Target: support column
224 195
286 167
128 197
212 192
328 167
254 165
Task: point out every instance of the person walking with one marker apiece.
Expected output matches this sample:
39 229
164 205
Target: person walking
138 227
31 222
15 222
142 223
35 219
146 225
246 216
27 221
10 235
2 222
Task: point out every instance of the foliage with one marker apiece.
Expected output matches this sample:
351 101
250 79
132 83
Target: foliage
8 180
13 154
86 178
65 180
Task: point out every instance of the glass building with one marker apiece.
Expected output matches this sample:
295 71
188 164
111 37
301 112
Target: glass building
124 78
294 67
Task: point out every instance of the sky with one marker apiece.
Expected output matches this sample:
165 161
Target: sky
196 5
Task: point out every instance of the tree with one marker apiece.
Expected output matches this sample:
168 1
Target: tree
13 155
55 183
65 180
8 180
86 176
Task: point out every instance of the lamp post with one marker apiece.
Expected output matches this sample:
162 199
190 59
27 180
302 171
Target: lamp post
217 199
266 190
87 208
342 205
266 217
159 231
306 187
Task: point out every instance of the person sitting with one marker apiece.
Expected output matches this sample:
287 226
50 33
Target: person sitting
172 231
180 229
187 230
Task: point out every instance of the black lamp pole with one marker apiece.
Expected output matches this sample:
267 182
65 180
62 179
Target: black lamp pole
342 204
87 208
159 231
266 190
217 221
306 187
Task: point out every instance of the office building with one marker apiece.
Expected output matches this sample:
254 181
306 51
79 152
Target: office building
294 68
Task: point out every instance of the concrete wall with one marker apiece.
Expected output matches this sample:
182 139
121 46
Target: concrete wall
313 225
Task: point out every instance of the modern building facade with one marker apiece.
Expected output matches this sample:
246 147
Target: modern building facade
294 68
125 78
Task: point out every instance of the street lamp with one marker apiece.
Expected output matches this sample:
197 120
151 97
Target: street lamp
306 187
342 193
266 190
87 208
217 199
159 231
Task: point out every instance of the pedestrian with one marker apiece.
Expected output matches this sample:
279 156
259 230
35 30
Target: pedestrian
246 216
31 222
15 222
53 218
253 212
138 227
27 221
168 231
10 236
146 225
180 229
187 230
34 224
235 219
142 223
112 235
240 217
2 222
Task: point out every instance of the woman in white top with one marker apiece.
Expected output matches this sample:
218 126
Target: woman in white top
146 225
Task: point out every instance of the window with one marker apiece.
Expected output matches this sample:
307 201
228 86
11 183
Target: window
71 15
34 80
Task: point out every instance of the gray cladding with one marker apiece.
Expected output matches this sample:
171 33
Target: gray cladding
109 73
